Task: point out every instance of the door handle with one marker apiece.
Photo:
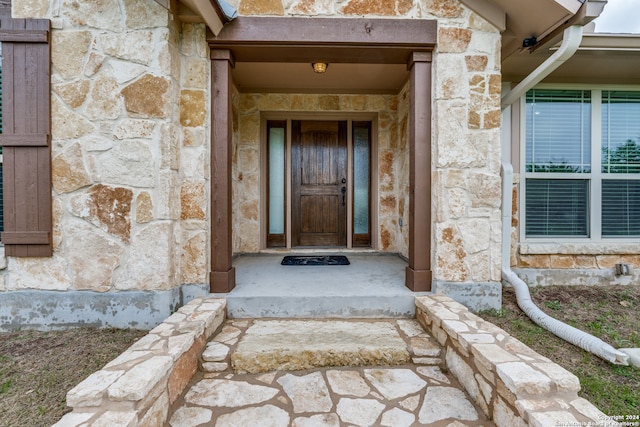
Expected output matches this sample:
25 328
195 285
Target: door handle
343 190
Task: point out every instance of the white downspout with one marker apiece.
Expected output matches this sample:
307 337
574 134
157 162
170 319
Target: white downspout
568 333
570 43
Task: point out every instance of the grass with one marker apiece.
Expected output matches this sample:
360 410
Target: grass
610 313
37 369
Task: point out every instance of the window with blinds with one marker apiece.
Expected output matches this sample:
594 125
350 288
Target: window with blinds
558 141
558 132
557 207
564 142
620 155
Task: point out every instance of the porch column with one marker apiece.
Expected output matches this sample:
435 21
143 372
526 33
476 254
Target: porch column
222 277
418 273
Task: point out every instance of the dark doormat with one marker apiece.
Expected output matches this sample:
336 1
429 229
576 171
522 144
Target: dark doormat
315 260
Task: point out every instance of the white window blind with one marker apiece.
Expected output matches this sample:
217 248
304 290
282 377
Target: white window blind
558 131
620 208
557 207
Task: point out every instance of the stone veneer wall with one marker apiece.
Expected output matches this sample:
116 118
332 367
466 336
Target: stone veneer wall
138 387
512 384
130 149
466 149
554 263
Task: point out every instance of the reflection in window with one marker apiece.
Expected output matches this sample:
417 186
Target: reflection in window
620 132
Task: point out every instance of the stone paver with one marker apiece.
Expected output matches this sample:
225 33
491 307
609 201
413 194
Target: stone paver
409 394
270 345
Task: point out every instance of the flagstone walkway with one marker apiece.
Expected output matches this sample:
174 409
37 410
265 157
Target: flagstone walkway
307 373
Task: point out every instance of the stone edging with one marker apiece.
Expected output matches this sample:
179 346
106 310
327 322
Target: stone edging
511 383
138 387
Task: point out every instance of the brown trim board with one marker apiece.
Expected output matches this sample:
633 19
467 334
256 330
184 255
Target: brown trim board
346 40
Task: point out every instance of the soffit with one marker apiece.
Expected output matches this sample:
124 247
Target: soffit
522 19
600 59
195 11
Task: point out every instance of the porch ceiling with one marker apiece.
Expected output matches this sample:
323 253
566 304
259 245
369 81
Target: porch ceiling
364 55
300 78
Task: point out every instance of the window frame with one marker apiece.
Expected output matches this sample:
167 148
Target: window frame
595 177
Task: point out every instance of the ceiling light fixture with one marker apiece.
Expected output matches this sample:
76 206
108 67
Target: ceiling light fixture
319 67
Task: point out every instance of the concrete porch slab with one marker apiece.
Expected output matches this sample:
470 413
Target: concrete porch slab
372 286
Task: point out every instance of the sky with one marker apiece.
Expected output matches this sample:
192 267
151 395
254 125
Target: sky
619 16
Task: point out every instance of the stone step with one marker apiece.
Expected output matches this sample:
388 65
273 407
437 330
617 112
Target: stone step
317 306
286 345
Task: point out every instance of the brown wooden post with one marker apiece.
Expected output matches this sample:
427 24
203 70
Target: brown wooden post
418 273
223 275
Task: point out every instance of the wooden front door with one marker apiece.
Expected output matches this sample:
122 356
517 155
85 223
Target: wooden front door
319 183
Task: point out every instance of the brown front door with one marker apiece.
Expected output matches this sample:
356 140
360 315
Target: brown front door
319 183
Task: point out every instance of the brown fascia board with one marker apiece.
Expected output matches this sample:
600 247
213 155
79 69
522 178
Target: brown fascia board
347 31
352 40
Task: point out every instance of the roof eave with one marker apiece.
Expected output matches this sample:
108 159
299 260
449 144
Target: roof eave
214 13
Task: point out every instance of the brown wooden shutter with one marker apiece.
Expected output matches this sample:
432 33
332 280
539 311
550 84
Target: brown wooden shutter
26 136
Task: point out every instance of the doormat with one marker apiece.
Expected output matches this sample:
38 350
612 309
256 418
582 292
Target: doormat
315 260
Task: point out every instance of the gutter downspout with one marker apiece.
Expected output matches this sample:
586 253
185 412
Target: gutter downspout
571 40
570 43
568 333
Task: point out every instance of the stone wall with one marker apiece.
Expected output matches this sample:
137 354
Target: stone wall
129 149
138 387
512 384
467 190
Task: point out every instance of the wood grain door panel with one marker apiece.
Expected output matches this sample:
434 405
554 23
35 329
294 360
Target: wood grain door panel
319 172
